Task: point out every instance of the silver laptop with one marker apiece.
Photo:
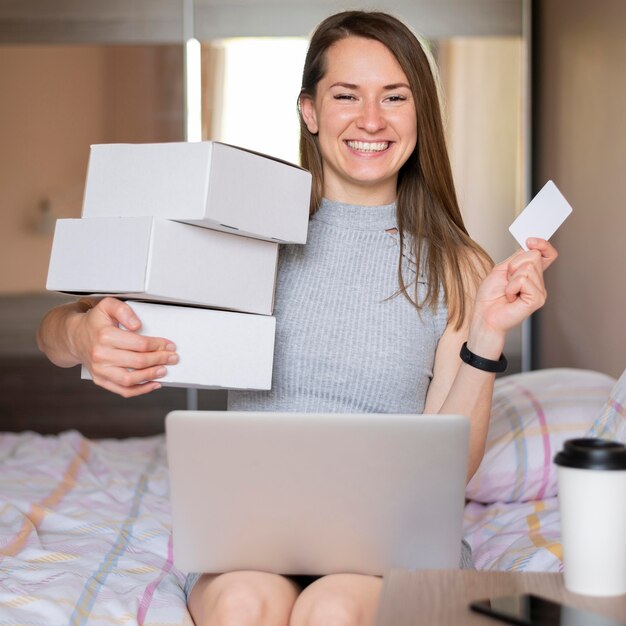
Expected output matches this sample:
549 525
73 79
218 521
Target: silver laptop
311 493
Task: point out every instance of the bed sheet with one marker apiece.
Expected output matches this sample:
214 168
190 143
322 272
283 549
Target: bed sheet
85 533
515 536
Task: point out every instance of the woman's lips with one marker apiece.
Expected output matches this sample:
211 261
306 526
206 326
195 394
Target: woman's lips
367 146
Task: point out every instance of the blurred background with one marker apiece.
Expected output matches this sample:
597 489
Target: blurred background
530 91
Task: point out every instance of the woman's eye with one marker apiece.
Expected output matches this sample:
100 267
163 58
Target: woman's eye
344 96
396 98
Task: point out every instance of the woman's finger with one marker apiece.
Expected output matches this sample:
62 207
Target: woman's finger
111 356
524 258
545 248
527 286
129 340
123 377
539 249
128 392
531 267
119 312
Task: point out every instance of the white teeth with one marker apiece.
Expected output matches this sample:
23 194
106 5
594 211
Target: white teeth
368 146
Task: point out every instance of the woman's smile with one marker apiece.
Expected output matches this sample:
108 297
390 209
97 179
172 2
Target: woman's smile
367 146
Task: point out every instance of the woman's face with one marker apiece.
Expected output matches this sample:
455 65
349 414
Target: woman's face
365 117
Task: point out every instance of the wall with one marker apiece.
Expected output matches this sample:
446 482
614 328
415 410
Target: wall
56 101
580 142
482 80
52 107
145 102
482 83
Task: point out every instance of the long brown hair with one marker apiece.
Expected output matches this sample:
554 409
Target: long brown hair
426 203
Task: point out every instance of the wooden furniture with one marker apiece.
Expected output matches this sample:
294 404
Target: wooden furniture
441 597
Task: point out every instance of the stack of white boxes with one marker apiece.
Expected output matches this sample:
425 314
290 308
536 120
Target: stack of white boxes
193 224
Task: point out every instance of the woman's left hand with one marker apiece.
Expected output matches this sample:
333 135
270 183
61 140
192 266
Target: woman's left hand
514 289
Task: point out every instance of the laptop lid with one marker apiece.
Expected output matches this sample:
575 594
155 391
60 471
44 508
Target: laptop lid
307 493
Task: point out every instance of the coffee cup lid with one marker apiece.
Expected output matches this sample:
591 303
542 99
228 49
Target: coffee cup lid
597 454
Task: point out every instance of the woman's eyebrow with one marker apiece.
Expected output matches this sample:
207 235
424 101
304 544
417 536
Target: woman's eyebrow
386 87
345 85
396 86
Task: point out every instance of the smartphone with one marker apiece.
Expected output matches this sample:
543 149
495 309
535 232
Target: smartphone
530 610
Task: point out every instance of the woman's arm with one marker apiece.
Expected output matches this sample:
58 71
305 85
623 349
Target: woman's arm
120 360
507 296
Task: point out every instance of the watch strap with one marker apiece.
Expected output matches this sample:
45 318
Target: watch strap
479 362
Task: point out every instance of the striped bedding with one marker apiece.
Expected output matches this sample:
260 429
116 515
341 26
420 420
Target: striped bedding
85 533
516 536
512 516
85 529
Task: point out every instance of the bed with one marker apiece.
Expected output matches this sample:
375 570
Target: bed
85 524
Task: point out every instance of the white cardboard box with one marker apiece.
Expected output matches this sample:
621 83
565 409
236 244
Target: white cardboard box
217 349
206 183
146 258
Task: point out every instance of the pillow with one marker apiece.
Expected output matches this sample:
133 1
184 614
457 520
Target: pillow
532 414
611 424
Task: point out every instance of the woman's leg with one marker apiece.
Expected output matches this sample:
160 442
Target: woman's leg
338 600
242 599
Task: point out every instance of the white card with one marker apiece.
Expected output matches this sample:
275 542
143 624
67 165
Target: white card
543 215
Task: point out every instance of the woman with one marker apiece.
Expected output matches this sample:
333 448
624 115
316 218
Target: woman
372 313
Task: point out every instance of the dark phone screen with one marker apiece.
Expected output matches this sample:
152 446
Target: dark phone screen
531 610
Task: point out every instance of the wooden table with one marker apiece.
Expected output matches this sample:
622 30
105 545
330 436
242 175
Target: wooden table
441 597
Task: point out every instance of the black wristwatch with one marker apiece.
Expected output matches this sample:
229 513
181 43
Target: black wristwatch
487 365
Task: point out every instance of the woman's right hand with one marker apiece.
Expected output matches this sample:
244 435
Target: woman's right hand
119 359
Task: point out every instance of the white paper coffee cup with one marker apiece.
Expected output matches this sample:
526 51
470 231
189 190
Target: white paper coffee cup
592 495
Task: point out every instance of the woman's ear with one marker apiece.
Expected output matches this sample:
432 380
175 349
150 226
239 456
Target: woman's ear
309 115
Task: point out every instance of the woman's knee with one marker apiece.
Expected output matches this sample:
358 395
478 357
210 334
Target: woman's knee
337 601
240 603
242 599
330 611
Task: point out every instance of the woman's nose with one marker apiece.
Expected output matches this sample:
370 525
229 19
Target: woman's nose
371 118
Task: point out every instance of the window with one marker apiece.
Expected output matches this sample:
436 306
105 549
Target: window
251 91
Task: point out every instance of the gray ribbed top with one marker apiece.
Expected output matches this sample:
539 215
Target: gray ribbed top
341 344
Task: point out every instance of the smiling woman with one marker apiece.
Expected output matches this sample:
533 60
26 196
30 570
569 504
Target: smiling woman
347 340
